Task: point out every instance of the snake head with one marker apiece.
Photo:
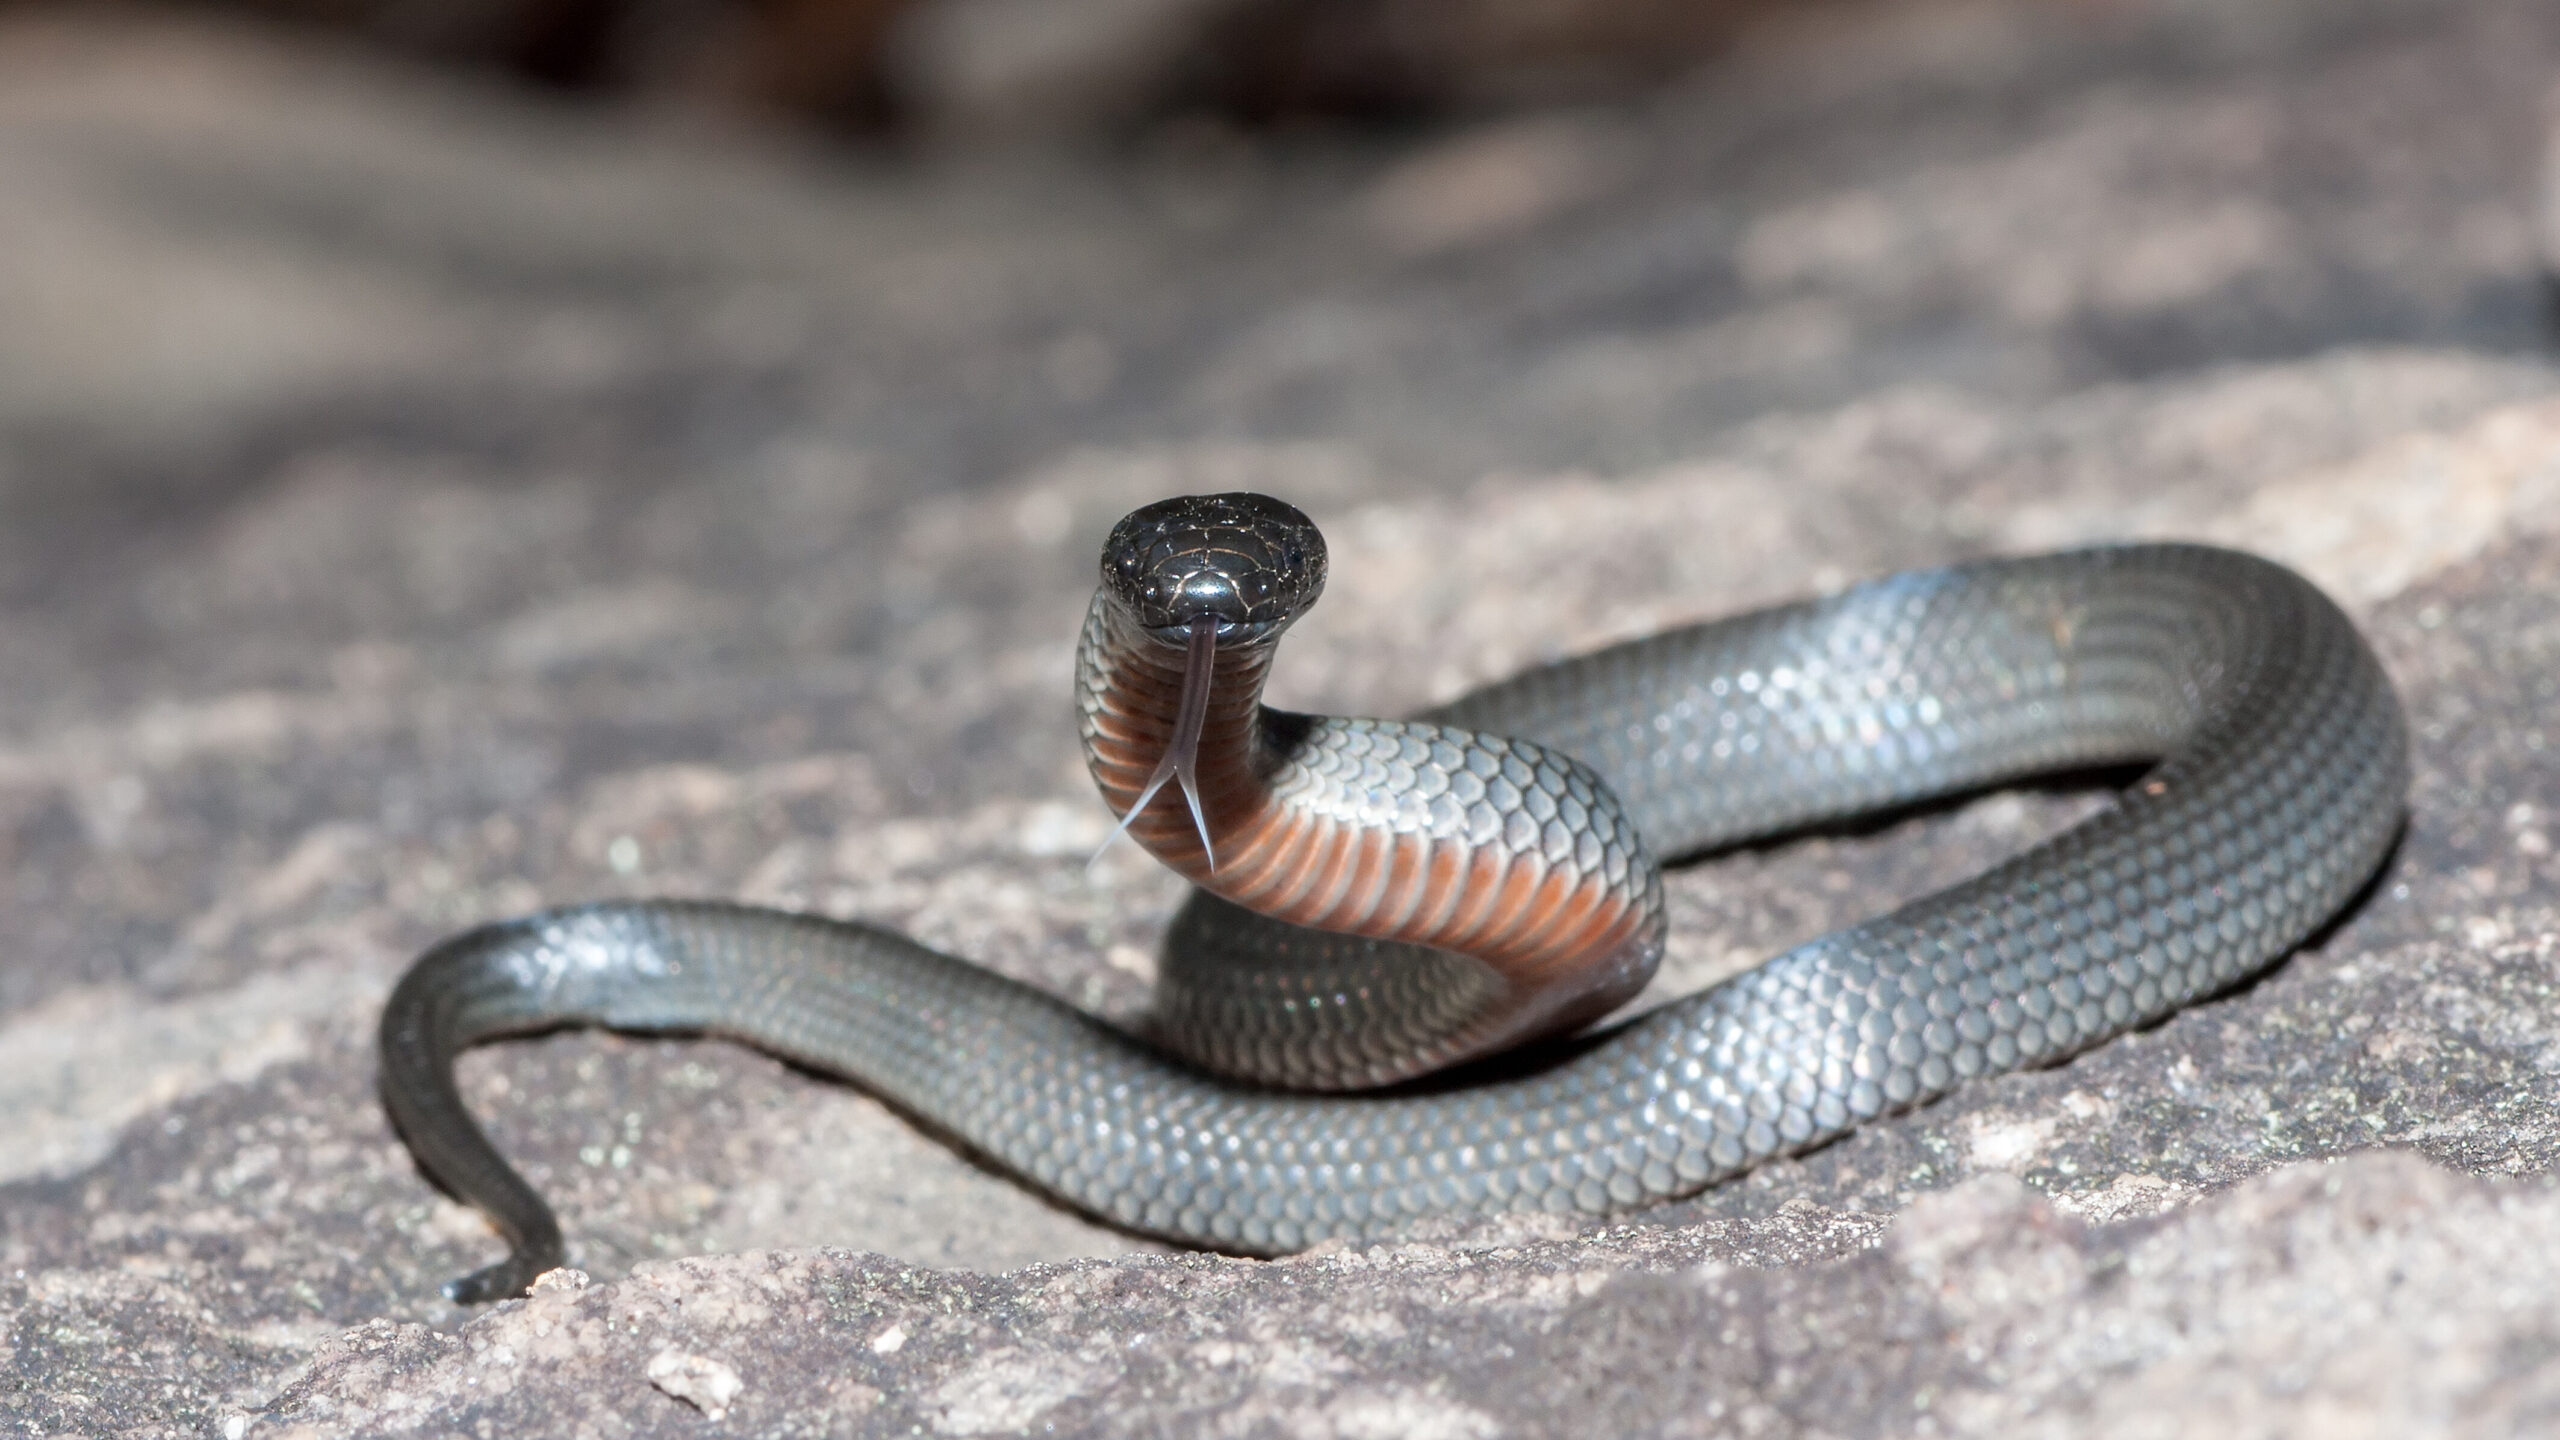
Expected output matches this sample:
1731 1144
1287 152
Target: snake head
1251 563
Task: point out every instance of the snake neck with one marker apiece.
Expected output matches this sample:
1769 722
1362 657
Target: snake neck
1499 850
1129 691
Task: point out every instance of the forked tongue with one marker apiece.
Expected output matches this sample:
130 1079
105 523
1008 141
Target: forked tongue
1181 759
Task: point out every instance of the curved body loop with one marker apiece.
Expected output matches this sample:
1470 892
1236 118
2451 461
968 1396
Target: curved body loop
1382 899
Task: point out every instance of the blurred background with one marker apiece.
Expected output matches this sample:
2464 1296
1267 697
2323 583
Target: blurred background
575 386
1055 68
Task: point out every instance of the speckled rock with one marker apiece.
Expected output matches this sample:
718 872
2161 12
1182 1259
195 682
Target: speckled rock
416 507
2374 1296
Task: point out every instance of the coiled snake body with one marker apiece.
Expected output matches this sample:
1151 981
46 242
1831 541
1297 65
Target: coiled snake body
1485 875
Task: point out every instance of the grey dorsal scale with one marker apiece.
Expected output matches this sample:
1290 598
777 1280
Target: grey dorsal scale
1485 875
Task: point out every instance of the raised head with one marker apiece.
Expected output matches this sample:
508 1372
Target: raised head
1199 573
1247 562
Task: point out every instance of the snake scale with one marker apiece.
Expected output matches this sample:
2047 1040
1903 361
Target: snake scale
1382 900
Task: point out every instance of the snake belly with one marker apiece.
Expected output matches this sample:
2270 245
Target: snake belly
2277 789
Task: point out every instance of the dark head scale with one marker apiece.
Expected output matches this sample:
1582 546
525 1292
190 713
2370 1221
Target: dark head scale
1251 562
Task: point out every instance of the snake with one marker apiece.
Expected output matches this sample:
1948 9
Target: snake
1389 995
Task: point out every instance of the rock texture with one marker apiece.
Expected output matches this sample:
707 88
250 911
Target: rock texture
417 505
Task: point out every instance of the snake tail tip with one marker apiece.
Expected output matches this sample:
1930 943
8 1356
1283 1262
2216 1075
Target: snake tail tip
505 1280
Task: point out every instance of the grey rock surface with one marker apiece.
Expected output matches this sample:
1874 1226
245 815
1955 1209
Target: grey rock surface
417 505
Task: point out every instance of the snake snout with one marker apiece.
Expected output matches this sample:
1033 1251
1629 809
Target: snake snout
1248 561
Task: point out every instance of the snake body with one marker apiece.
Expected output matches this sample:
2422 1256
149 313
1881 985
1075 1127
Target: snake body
1485 875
